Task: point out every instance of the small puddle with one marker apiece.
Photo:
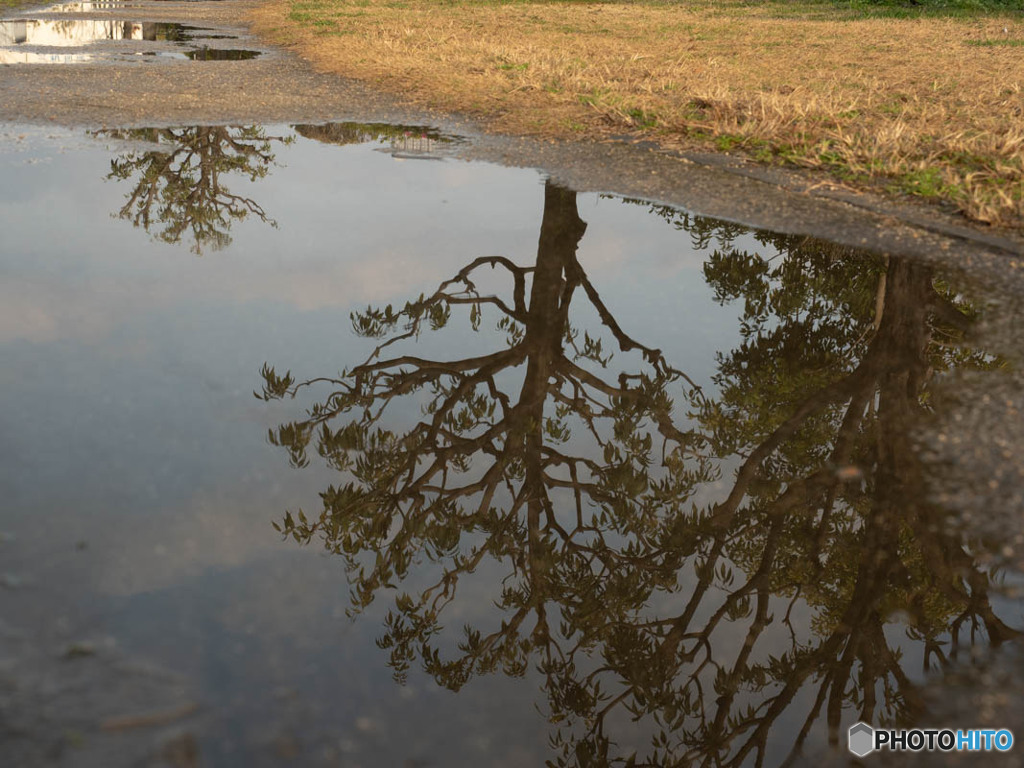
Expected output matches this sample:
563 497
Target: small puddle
67 41
78 32
87 7
593 479
221 54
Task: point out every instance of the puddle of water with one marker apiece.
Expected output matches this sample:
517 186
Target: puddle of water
625 479
34 57
92 7
31 57
399 141
78 32
43 41
221 54
87 7
63 33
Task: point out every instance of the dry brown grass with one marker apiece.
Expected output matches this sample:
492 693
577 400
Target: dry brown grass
917 104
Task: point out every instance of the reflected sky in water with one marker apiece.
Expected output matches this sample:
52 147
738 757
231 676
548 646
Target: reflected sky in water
70 41
667 464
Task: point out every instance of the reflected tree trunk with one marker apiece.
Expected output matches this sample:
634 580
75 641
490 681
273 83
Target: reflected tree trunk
826 507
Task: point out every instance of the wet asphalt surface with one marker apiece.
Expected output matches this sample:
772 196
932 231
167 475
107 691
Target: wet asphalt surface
278 87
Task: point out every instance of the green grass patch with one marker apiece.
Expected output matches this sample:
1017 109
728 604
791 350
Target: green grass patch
1008 42
927 182
15 5
728 141
887 9
641 118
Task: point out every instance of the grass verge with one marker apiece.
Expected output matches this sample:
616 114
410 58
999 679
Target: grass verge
7 6
927 104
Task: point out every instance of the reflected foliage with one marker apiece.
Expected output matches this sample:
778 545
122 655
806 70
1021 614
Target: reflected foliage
695 576
362 133
204 53
403 141
179 185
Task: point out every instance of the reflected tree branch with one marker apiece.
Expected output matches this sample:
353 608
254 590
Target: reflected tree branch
178 186
643 609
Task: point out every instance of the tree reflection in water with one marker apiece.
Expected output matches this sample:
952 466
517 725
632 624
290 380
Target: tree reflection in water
650 602
179 188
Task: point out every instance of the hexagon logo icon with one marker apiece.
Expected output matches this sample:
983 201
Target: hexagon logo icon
862 739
